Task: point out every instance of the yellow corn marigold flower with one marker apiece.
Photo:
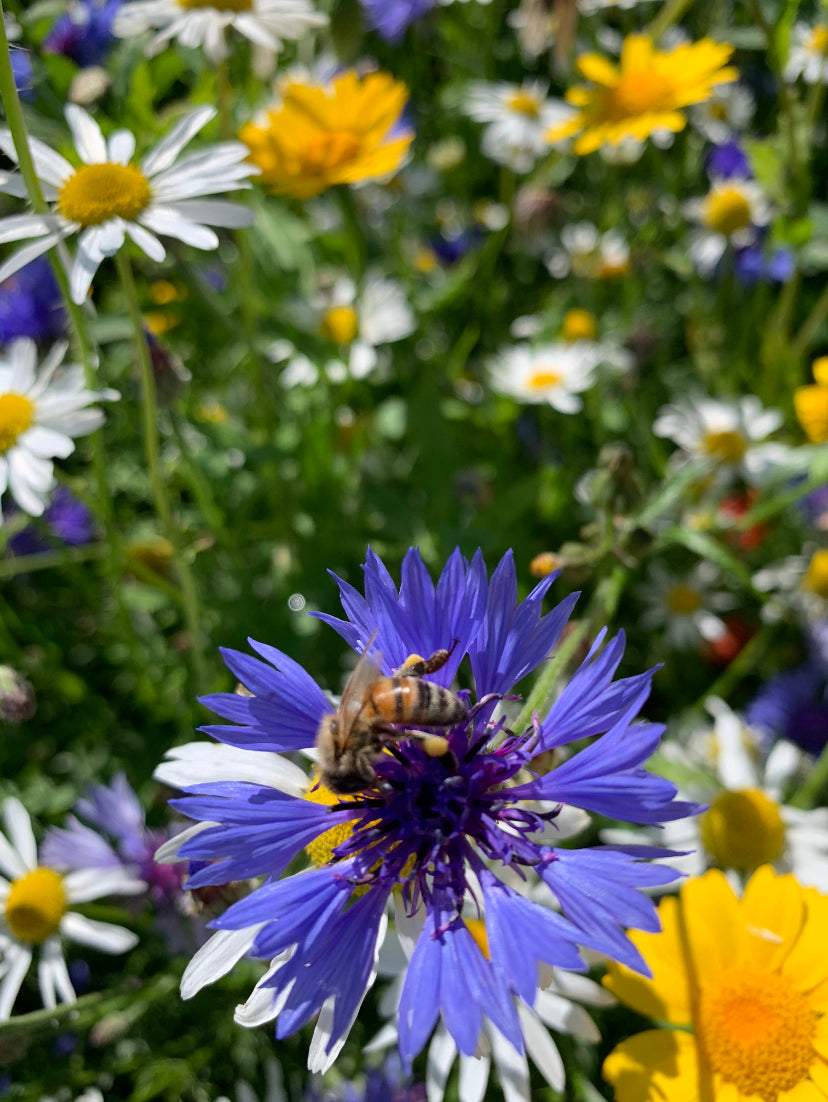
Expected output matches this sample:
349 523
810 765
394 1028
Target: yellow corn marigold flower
646 92
742 987
339 133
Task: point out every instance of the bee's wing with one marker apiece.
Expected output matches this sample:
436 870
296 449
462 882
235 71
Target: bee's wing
365 674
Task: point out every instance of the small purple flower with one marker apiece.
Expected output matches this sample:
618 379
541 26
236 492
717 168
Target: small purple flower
84 33
755 264
31 304
814 506
794 706
435 831
727 161
450 250
21 63
391 18
68 520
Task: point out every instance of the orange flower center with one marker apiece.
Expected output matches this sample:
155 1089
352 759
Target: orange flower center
542 378
579 325
340 324
96 193
726 211
524 104
35 905
324 152
16 413
641 93
757 1031
728 445
743 830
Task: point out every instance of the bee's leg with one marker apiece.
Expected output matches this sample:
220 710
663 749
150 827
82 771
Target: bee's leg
417 666
435 746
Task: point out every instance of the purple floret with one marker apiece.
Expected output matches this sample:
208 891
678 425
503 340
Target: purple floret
391 18
31 304
84 33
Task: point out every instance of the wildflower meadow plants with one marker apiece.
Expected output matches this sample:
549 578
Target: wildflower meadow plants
475 306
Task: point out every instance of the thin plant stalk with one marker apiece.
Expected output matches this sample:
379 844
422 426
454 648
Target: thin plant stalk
149 406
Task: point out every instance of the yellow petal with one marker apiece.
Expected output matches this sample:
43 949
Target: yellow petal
598 69
807 962
666 996
773 911
657 1066
712 922
806 1091
819 1073
636 53
821 1037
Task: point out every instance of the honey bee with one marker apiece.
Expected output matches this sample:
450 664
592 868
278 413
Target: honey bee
350 740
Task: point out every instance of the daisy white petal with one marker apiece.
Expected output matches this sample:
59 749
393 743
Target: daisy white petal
165 153
216 212
53 976
50 167
542 1049
28 253
121 147
215 958
102 936
474 1077
83 885
171 223
87 136
147 241
17 958
18 226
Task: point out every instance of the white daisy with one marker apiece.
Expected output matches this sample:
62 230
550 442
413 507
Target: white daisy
553 373
109 197
556 1007
808 54
684 609
746 824
518 117
41 412
728 110
360 319
727 438
201 25
35 912
730 214
589 254
799 585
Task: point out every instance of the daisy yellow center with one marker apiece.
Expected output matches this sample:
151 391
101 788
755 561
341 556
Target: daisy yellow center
579 325
477 929
816 579
728 445
16 413
642 93
35 905
524 104
542 378
324 152
218 5
818 40
321 849
757 1031
96 193
683 599
726 211
340 324
743 830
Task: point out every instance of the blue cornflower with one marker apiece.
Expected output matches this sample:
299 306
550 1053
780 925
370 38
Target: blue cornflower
727 161
757 264
435 831
794 706
84 32
391 18
68 520
31 304
21 63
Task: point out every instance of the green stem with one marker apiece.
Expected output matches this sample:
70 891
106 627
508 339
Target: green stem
354 236
201 489
815 786
742 665
47 560
669 14
811 326
152 452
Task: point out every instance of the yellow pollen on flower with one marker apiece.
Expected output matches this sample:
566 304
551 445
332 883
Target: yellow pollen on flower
579 325
340 324
816 578
524 103
96 193
477 929
728 445
16 414
324 152
543 378
757 1032
683 599
218 5
35 905
818 40
726 210
640 93
743 830
321 849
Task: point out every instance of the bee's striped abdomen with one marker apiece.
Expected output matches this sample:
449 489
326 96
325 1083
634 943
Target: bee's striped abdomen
410 700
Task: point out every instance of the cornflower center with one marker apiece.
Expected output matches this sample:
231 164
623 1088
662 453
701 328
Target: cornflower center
818 40
579 325
524 104
16 414
340 324
743 830
96 193
641 93
816 579
542 378
324 152
683 599
727 445
757 1031
35 905
726 211
218 5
